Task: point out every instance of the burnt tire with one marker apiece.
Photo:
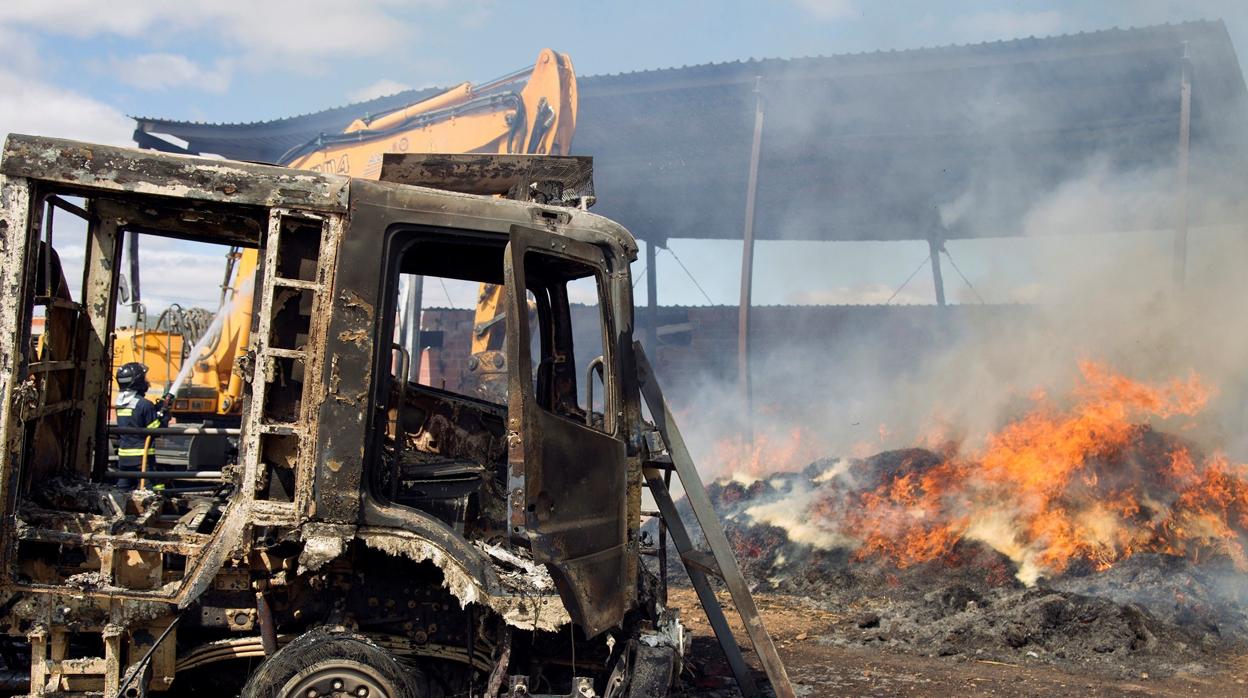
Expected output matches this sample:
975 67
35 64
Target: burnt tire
326 660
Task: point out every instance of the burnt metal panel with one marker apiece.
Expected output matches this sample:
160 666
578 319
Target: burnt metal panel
214 223
77 164
352 353
567 481
15 216
100 301
491 174
347 380
468 572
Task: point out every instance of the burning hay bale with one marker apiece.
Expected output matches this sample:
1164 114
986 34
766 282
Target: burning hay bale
1079 536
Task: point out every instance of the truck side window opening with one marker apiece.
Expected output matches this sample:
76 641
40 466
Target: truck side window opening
158 329
441 298
569 334
82 316
588 332
440 353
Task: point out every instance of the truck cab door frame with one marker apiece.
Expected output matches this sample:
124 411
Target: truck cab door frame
567 482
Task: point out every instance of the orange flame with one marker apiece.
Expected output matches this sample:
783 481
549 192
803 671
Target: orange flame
765 453
1087 483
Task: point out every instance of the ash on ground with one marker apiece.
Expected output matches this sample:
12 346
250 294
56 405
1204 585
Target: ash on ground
1148 615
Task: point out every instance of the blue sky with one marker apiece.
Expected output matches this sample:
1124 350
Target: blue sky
77 68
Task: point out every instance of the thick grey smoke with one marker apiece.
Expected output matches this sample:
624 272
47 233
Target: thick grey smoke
1070 238
1095 294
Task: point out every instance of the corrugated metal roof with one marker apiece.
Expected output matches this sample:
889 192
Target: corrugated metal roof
1102 40
870 146
266 140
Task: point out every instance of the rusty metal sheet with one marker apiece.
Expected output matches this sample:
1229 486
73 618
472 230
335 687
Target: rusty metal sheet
212 222
77 164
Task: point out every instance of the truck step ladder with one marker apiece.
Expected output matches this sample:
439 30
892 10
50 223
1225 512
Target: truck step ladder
293 237
719 560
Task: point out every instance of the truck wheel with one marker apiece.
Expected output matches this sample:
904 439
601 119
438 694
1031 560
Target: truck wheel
326 663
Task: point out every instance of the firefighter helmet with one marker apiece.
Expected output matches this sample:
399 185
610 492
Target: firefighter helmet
132 376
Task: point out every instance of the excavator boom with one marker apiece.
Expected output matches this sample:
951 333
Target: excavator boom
528 111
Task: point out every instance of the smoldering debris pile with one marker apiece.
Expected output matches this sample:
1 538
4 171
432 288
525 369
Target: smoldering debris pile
1148 612
1081 532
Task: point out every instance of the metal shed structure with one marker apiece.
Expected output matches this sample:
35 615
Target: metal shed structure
858 147
874 146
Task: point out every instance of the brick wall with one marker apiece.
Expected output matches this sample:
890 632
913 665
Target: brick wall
446 358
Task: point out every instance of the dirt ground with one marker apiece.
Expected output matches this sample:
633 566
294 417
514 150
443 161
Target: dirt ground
820 669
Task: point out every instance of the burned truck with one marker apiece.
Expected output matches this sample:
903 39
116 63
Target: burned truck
371 535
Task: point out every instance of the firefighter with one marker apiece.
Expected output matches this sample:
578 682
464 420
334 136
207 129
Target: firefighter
135 410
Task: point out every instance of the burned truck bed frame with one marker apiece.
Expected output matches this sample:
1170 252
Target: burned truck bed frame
124 591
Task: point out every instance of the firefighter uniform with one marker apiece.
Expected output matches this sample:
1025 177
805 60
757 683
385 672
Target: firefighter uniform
135 410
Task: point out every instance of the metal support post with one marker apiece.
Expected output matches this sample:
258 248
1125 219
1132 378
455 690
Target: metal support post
1185 133
409 333
747 271
936 245
652 296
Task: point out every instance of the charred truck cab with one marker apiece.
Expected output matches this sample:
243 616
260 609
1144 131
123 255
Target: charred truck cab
374 536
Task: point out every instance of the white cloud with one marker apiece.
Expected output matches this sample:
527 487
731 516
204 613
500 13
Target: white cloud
381 88
293 31
34 107
83 17
829 9
17 51
30 104
158 71
196 283
1003 24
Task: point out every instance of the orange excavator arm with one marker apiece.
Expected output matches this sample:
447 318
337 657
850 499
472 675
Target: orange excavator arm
528 111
